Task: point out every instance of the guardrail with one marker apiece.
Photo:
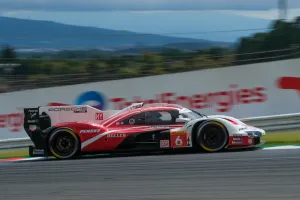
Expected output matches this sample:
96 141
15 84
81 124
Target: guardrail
271 124
276 123
16 143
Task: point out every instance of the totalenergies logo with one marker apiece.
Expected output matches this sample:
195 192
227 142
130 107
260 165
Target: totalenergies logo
224 101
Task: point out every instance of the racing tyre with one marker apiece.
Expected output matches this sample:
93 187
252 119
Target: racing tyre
212 136
64 143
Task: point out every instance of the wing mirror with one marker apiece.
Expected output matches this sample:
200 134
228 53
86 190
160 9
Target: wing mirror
182 120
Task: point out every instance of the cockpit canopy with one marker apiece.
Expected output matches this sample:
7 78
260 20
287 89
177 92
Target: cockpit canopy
160 113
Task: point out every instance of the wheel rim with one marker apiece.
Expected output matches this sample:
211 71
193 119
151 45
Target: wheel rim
64 144
212 137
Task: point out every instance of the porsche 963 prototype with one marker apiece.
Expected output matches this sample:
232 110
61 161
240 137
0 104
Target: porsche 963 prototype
69 131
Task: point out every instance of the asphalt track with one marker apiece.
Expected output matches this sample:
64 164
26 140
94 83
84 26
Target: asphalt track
262 174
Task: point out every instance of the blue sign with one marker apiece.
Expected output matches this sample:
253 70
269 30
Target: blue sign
98 99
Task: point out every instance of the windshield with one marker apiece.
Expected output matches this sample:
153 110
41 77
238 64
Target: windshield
191 114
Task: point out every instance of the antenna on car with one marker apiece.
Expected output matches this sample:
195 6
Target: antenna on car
131 107
136 105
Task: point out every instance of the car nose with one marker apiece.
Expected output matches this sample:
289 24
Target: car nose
256 133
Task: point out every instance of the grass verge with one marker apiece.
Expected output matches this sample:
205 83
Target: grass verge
291 138
275 139
14 154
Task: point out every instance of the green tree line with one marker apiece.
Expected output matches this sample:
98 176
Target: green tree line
283 35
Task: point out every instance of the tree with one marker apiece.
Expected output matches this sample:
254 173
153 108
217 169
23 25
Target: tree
216 53
8 54
283 35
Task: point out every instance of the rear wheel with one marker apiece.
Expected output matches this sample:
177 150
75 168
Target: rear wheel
212 136
64 143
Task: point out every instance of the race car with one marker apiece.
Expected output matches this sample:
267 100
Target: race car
69 131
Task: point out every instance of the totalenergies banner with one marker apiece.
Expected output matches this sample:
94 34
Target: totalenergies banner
241 91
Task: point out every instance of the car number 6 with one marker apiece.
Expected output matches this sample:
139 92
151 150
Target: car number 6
178 141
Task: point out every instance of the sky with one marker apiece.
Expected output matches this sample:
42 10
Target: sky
125 5
188 18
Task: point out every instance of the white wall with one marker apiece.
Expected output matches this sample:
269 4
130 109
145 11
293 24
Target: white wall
240 91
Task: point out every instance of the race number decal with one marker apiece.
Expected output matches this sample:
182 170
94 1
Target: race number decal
178 139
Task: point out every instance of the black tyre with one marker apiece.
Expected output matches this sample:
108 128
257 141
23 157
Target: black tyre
212 136
64 143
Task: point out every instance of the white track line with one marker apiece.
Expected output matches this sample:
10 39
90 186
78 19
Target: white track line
282 147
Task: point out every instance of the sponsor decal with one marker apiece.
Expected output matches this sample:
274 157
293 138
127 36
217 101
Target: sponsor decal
32 127
116 135
159 126
90 131
33 110
131 121
250 141
99 116
164 144
67 109
32 121
237 142
38 151
32 115
237 138
180 132
237 135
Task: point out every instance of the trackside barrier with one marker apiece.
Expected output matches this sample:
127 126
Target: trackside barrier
272 124
276 123
15 143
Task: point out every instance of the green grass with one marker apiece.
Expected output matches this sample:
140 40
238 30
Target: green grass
292 138
14 154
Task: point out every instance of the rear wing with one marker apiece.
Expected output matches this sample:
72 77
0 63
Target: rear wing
46 116
38 122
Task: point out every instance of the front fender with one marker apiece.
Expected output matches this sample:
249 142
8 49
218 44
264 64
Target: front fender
231 128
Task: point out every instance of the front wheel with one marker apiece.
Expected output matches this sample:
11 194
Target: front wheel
212 136
64 143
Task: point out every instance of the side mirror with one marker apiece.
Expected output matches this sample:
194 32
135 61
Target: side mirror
182 120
